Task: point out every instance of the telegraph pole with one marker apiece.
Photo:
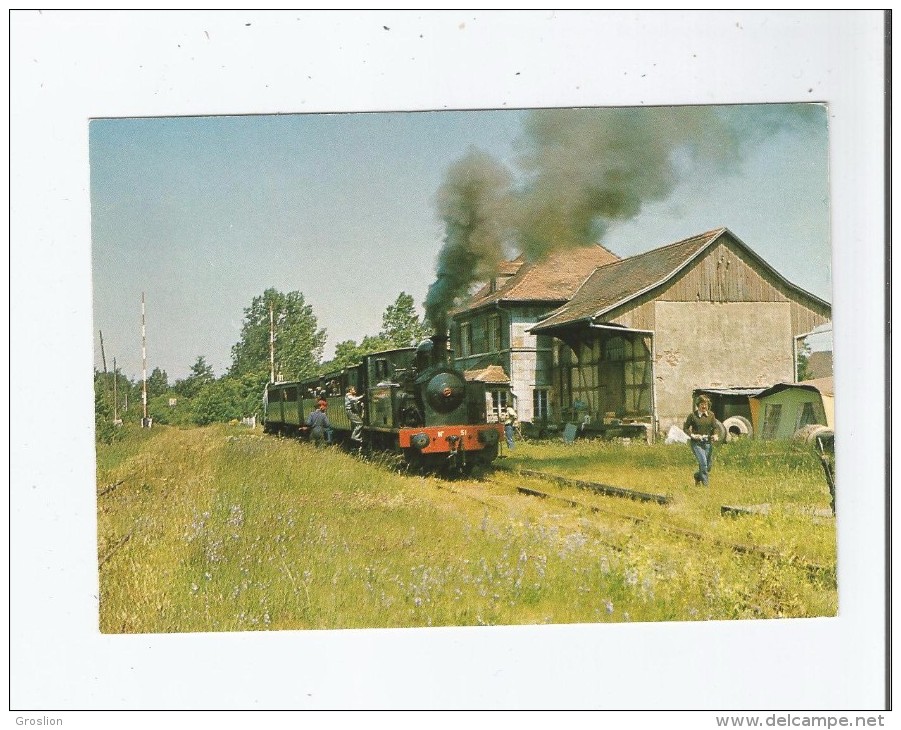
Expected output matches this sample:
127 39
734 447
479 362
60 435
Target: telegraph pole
271 345
115 393
102 352
145 423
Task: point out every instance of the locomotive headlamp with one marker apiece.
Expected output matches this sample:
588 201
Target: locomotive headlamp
420 440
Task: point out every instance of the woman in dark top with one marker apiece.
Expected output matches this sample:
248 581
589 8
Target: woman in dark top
701 427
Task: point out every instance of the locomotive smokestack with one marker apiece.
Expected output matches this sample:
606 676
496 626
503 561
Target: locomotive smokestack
439 351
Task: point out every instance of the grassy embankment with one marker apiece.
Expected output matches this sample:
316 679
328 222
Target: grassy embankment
225 529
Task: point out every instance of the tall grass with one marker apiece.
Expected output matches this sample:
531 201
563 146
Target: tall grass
230 530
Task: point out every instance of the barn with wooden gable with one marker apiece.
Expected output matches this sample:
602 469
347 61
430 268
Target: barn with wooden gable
492 328
642 333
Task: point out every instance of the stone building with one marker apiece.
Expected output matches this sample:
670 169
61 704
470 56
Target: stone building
492 328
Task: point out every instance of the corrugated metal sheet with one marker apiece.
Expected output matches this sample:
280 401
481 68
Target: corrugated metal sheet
730 391
823 386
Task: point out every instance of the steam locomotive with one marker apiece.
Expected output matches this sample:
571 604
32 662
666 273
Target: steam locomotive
414 402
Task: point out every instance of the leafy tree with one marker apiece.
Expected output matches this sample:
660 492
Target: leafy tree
298 341
104 429
228 398
349 352
157 383
201 374
218 401
401 325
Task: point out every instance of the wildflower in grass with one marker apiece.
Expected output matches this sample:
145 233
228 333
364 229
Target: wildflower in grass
608 606
631 576
605 565
236 516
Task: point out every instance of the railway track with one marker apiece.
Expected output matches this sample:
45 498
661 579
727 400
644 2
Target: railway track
813 570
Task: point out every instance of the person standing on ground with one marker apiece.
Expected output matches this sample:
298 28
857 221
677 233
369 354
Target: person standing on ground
319 424
510 421
701 427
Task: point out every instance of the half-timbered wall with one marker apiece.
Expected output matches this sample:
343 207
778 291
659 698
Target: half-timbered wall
724 322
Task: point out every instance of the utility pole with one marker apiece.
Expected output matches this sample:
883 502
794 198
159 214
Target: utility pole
145 423
271 344
102 352
115 393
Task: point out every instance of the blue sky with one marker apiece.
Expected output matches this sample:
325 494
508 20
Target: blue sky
204 213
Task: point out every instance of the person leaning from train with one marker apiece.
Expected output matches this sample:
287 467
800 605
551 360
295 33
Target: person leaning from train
353 405
510 421
319 424
701 427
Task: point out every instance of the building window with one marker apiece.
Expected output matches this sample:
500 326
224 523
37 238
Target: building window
808 415
499 400
494 333
465 339
539 405
381 368
771 415
615 349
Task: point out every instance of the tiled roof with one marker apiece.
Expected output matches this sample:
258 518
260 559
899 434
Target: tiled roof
616 283
553 279
508 268
492 374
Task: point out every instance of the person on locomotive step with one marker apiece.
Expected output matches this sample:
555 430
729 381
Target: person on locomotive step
353 405
701 427
510 420
319 424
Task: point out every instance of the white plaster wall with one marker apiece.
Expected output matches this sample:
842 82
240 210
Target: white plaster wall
712 345
523 365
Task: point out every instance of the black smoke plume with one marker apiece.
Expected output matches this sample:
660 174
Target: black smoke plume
474 204
580 171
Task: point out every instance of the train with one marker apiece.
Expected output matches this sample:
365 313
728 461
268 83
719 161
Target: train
415 403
